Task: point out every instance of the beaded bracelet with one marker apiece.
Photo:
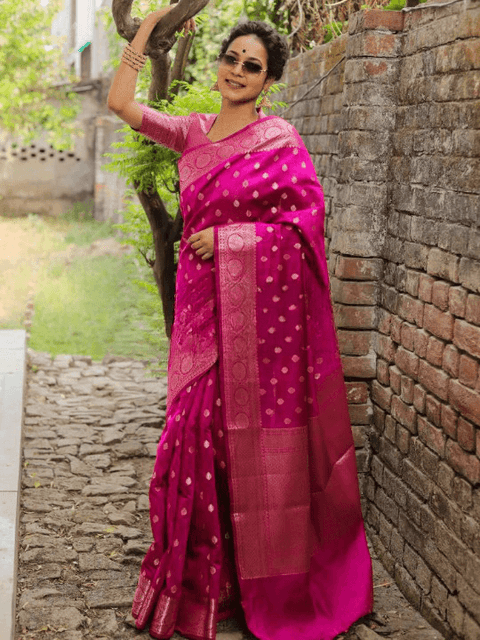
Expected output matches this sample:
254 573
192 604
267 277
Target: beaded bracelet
133 58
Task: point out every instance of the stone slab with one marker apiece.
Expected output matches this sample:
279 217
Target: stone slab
12 385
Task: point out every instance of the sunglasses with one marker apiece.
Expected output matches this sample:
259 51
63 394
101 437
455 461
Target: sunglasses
250 67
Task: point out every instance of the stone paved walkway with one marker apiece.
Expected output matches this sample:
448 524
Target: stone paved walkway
91 433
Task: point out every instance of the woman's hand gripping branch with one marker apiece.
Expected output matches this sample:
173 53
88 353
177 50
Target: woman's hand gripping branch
202 242
188 25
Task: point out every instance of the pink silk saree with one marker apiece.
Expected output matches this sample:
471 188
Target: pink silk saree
254 499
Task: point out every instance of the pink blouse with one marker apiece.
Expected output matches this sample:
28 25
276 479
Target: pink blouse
178 132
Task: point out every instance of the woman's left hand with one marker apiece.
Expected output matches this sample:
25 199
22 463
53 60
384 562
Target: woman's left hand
202 242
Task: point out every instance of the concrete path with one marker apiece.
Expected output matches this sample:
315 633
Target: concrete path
12 377
91 432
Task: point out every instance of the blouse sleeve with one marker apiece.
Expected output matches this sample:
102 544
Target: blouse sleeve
169 131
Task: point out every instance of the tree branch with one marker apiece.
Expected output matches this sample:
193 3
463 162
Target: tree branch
162 37
178 71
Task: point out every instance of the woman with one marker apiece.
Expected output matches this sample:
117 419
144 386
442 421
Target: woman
254 500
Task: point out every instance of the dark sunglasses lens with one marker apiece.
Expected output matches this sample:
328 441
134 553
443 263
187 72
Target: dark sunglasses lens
251 67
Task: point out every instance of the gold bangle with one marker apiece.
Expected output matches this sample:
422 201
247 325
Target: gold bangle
133 59
139 56
131 63
135 68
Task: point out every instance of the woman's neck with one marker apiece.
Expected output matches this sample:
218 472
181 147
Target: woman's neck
240 113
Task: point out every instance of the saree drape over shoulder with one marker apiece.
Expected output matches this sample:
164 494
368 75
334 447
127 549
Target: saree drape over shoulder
254 499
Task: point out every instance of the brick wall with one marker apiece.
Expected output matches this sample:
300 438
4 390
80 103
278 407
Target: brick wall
394 135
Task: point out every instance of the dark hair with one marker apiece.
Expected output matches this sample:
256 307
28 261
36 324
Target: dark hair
275 44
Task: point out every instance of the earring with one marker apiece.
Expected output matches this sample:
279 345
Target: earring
214 87
265 102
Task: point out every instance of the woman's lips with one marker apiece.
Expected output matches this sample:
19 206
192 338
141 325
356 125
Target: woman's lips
238 86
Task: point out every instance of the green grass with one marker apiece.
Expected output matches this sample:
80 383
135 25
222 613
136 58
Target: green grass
93 307
84 233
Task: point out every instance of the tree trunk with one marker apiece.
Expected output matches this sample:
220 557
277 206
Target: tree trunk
165 230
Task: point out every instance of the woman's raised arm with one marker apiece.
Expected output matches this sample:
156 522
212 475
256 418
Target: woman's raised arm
121 98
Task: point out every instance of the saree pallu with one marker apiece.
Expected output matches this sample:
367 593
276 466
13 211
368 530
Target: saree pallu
254 497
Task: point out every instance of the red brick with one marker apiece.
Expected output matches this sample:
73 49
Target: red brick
425 284
468 371
433 409
357 392
466 464
396 329
440 291
390 431
384 320
359 413
410 309
467 337
359 436
354 293
431 436
382 372
378 417
462 494
407 389
402 438
404 413
381 395
443 265
352 317
358 366
466 435
451 360
407 335
375 68
419 398
473 309
420 342
435 380
457 301
375 18
355 343
376 44
385 347
435 351
395 379
445 478
438 322
407 362
348 268
446 540
411 474
411 282
466 401
449 421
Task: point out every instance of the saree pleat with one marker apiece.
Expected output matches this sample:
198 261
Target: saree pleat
188 580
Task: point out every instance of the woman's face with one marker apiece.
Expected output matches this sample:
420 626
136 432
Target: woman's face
244 48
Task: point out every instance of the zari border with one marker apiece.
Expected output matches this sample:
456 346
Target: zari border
272 529
237 277
270 132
